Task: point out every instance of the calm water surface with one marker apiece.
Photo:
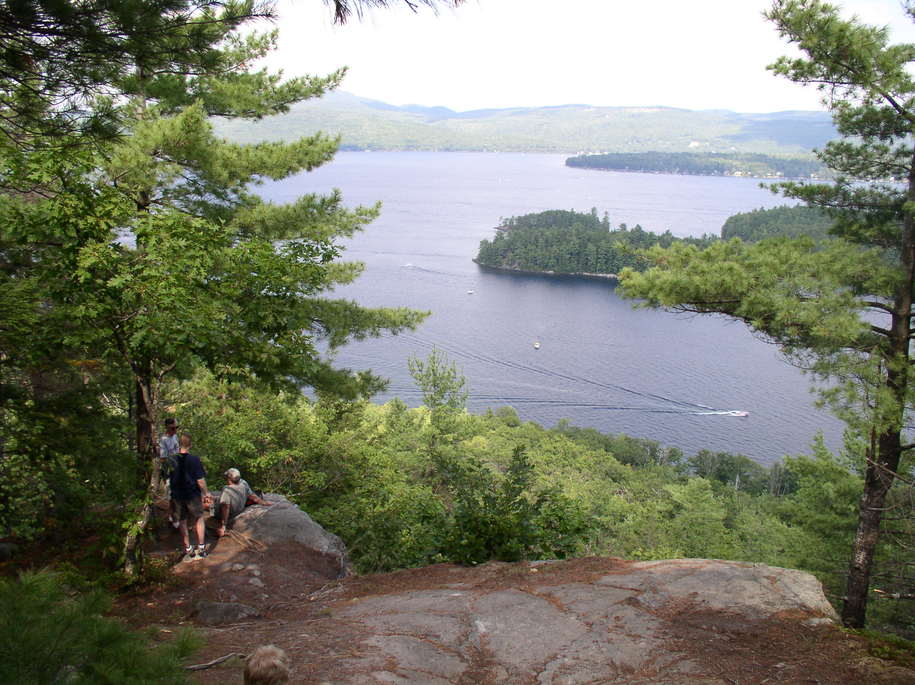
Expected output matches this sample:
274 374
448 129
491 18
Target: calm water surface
601 363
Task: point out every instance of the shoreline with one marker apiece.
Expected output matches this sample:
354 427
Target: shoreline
553 274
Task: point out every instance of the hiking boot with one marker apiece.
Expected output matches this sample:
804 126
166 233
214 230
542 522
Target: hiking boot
201 552
188 554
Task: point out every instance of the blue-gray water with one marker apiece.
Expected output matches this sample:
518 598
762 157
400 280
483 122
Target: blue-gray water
601 363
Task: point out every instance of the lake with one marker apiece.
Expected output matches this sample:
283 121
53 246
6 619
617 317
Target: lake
600 363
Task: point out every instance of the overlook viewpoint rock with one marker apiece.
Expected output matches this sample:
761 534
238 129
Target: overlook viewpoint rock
580 621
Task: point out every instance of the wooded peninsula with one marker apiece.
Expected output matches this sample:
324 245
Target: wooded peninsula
702 164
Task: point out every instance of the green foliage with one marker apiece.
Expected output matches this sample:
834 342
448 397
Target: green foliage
889 647
702 164
778 222
624 448
63 449
274 438
388 521
734 470
52 635
24 497
507 519
569 242
441 383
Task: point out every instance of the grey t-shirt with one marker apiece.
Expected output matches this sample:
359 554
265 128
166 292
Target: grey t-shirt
235 496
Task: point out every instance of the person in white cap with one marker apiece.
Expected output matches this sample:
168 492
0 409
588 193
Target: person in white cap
235 496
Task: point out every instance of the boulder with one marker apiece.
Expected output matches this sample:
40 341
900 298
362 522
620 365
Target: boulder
283 524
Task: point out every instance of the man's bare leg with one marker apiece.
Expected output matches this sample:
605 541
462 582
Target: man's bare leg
200 526
185 538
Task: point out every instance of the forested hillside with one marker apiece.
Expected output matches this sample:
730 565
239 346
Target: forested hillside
570 242
701 164
365 124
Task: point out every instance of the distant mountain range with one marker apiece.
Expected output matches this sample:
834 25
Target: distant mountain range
372 125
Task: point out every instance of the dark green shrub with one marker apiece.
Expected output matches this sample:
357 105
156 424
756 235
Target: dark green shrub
50 636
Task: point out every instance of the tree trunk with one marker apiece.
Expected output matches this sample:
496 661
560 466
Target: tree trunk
877 483
148 456
883 465
133 558
146 427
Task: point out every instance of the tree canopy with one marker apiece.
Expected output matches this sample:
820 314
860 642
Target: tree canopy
344 9
786 222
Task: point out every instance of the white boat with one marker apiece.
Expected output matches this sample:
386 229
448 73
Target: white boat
470 292
536 344
737 412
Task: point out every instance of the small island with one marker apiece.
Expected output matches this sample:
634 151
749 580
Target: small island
569 243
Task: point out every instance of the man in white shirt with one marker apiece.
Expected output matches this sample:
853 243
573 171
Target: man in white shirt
168 445
168 451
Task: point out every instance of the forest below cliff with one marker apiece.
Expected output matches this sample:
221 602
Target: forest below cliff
408 487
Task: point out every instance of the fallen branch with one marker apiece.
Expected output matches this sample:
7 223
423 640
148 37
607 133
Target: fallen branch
893 595
215 662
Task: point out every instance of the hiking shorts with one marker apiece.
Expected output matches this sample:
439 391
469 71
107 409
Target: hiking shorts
184 509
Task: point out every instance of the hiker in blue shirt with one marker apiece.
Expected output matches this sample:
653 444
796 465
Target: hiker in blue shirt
189 496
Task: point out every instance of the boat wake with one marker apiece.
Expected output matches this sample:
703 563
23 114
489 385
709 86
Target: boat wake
665 405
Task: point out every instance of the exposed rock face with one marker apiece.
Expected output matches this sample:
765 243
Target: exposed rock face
283 524
620 627
269 553
575 622
752 590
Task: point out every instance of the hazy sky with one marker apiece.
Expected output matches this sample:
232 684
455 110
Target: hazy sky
702 54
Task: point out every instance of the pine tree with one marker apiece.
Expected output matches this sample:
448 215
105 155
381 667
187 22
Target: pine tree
843 311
